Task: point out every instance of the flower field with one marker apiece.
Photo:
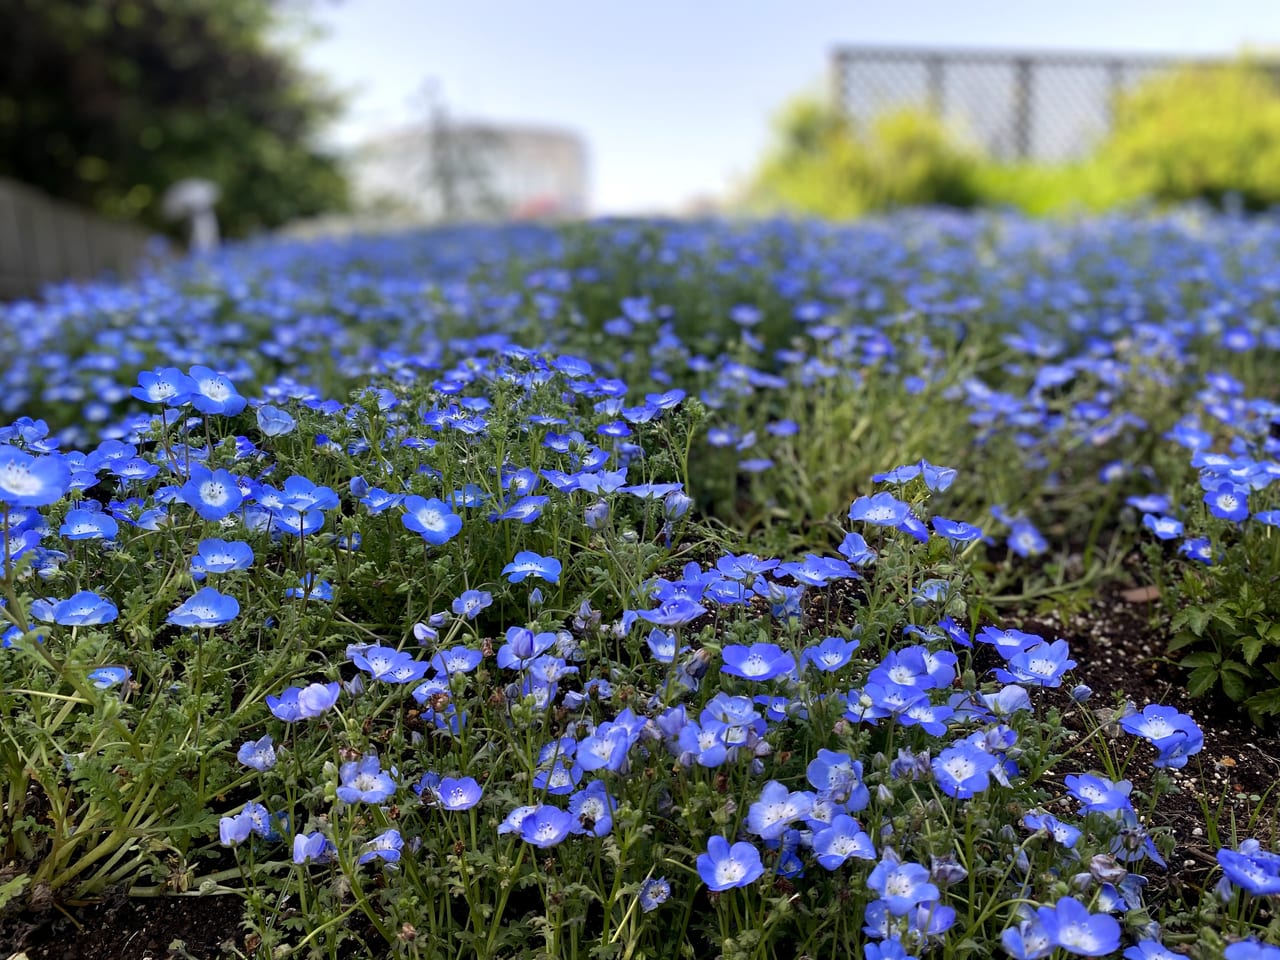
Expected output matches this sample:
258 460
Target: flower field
643 590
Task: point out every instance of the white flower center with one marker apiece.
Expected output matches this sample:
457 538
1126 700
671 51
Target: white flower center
213 493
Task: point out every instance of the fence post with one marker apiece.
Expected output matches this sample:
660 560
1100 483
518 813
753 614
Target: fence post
1022 80
1115 89
839 91
935 71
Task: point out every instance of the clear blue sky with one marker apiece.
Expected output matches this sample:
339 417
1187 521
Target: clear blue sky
674 97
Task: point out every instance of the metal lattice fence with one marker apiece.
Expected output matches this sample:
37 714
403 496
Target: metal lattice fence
1016 106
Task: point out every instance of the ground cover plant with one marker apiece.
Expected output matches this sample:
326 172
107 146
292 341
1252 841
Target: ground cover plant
650 590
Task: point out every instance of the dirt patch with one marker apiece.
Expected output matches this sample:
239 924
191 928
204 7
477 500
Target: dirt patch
1119 645
197 928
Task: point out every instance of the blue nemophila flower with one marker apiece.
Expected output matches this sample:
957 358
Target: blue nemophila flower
522 647
303 703
1063 833
663 645
673 613
1228 502
389 664
220 556
1174 734
855 548
525 509
234 830
274 422
1098 794
545 826
1165 528
676 504
901 885
470 602
364 781
956 531
313 848
962 770
457 793
1252 869
777 809
1251 950
456 660
1028 940
261 821
1197 548
214 393
607 746
385 846
431 519
839 840
1070 926
213 494
745 567
1155 950
376 500
527 563
654 892
829 654
838 777
760 661
166 385
84 524
1025 540
258 754
84 609
1149 502
207 608
724 867
898 475
881 510
889 949
592 807
32 481
1043 665
311 587
1008 641
134 470
104 678
816 571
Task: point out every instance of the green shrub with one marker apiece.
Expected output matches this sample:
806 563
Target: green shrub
824 164
1201 133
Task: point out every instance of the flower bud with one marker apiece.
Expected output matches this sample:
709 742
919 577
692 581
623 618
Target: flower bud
596 514
1106 869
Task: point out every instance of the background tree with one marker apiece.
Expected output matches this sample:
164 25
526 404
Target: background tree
107 102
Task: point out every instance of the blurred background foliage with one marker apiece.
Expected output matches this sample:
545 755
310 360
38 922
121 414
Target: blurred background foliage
1198 134
105 103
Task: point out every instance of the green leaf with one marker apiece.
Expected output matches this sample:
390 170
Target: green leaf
1194 618
1201 681
1183 639
12 889
1250 647
1234 686
1234 666
1266 703
1201 658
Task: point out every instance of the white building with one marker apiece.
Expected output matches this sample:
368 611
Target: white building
468 171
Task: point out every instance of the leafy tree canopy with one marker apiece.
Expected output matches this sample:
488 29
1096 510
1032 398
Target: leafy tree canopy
106 103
